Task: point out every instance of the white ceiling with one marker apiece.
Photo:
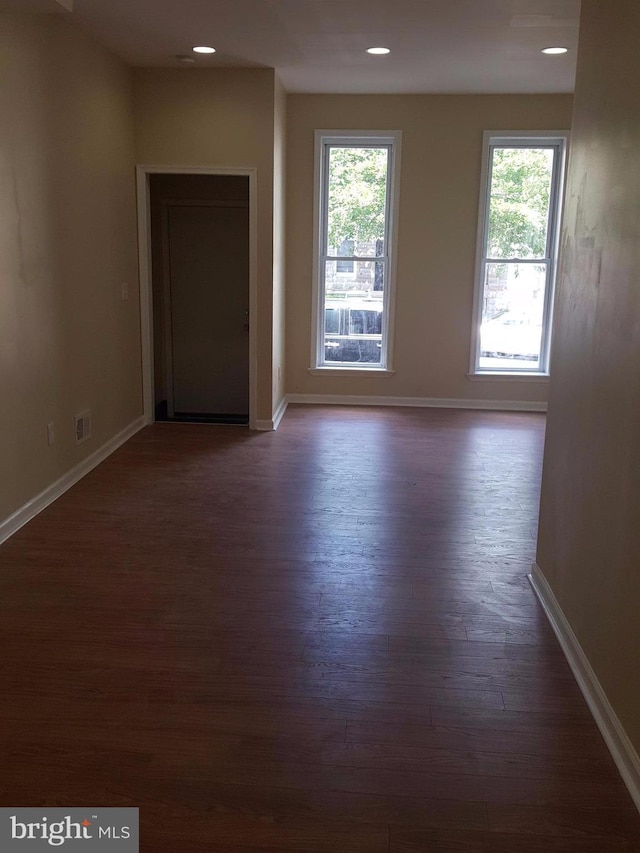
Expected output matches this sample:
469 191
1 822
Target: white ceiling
318 45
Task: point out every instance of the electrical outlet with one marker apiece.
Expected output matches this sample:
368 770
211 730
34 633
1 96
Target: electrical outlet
279 372
125 291
82 424
51 435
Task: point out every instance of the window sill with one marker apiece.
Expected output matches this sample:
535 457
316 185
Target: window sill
514 376
350 371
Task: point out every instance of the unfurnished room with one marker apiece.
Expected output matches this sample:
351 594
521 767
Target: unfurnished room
320 436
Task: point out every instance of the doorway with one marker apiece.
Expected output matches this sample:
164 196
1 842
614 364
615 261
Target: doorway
198 295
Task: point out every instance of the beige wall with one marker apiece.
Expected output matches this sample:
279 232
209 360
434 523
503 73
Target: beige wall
67 243
439 196
279 257
198 117
589 542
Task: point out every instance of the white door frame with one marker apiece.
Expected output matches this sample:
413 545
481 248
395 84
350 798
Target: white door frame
146 289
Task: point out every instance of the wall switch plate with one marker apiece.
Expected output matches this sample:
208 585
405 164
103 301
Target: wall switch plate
125 291
51 435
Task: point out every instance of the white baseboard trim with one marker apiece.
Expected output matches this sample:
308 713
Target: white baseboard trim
29 510
279 412
620 747
274 423
418 402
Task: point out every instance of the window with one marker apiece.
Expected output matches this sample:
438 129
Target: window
517 252
345 250
356 202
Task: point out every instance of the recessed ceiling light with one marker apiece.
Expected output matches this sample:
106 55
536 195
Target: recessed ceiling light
552 50
204 49
378 51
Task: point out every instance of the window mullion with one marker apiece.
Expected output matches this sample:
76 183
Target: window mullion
364 259
517 260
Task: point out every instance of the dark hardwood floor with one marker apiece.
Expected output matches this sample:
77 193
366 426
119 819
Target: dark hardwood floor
319 640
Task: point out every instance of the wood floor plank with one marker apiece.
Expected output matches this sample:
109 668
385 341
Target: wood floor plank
285 804
552 742
452 841
567 821
318 639
391 664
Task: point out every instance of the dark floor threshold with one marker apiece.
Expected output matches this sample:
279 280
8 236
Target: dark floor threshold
199 417
188 418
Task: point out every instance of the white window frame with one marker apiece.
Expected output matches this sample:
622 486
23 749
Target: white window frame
558 140
324 139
